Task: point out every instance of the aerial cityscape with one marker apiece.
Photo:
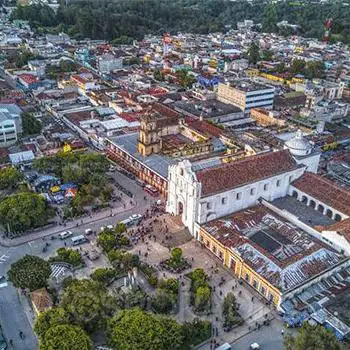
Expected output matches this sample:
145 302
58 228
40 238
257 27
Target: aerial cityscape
174 175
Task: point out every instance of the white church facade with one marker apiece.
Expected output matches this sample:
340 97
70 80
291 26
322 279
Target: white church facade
204 193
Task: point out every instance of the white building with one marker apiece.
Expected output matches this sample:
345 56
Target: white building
246 95
203 192
108 63
10 124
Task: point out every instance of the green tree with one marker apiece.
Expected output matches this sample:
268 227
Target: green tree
297 66
185 79
67 66
163 301
312 338
31 125
94 163
195 332
103 275
158 75
269 23
315 69
253 53
267 55
50 318
23 57
9 178
65 337
29 272
107 240
202 298
88 303
138 330
69 256
176 255
23 211
230 311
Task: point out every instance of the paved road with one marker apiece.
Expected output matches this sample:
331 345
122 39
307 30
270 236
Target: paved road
13 315
269 338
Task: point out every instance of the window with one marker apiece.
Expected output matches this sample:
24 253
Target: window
255 284
201 238
262 290
246 277
208 205
266 187
252 191
290 179
278 183
238 195
223 200
220 254
214 249
181 172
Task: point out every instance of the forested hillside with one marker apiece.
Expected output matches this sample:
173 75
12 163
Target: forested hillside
123 21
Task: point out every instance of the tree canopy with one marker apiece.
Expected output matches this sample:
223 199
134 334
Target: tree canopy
65 337
29 272
30 124
253 53
122 21
135 329
23 211
9 178
312 338
50 318
88 303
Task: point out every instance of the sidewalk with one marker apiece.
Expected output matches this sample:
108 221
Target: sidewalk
102 215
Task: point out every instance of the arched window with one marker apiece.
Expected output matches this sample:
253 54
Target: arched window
337 217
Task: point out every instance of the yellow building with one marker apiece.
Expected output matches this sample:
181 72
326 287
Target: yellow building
265 251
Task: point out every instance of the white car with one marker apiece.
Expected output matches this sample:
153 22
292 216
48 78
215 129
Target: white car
65 234
254 346
135 217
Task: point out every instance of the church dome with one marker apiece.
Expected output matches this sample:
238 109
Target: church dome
299 145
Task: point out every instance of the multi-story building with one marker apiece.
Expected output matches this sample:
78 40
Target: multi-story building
246 95
10 124
108 63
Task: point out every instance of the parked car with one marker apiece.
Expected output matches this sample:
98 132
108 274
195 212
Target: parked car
89 231
65 234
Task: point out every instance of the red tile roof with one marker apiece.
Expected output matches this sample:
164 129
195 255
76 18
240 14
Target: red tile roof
324 190
245 171
205 127
28 78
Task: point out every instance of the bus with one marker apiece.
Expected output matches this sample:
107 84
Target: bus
78 240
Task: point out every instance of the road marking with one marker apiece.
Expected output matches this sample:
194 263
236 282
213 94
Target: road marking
3 258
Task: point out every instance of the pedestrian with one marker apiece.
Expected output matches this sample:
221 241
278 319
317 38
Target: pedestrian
282 332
